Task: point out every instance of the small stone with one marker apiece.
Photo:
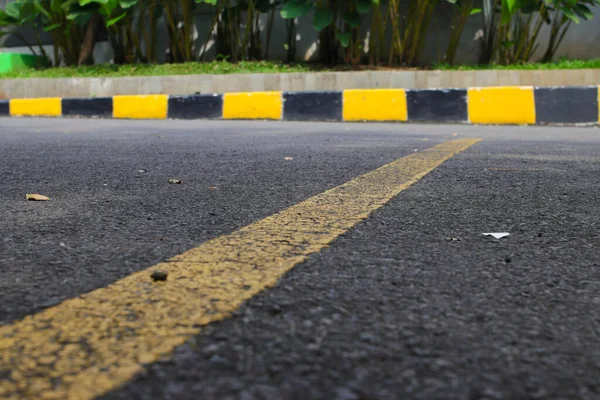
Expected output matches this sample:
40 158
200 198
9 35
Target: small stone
159 275
368 337
216 359
174 181
50 303
345 394
211 349
275 309
312 346
508 259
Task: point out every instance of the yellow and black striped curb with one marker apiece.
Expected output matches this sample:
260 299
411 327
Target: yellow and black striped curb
489 105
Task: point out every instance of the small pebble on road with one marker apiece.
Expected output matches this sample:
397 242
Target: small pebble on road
159 275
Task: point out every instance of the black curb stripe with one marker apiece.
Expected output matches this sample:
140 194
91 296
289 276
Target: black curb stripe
437 105
4 107
311 106
94 107
198 106
566 105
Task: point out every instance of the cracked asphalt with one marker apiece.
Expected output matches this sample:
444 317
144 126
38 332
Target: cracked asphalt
412 303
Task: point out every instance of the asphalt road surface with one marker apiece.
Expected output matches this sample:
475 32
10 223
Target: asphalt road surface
404 299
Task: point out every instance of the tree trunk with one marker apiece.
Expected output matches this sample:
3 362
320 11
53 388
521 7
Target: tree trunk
86 55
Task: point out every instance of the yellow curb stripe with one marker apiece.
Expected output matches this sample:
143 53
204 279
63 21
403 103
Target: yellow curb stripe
253 105
87 346
42 107
375 105
141 107
502 105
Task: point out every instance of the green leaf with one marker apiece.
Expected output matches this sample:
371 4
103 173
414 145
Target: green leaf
363 6
81 16
40 8
51 27
113 21
125 4
84 3
584 12
13 10
475 11
352 19
570 14
344 38
295 9
323 18
510 5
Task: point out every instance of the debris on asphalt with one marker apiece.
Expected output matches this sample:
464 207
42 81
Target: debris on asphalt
212 187
159 275
497 235
174 181
508 259
36 197
141 170
288 158
453 239
51 302
369 337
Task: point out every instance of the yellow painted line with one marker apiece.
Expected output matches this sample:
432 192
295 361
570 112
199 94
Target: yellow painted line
375 105
502 105
141 107
253 105
42 107
87 346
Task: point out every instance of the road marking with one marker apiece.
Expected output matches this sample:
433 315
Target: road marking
502 105
87 346
140 106
47 107
375 105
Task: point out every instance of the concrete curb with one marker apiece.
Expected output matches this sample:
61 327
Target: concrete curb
479 105
290 82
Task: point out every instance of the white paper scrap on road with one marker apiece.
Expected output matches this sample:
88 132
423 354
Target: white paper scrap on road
497 235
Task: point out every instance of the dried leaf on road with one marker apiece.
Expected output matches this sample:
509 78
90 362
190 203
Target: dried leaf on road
36 197
174 181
